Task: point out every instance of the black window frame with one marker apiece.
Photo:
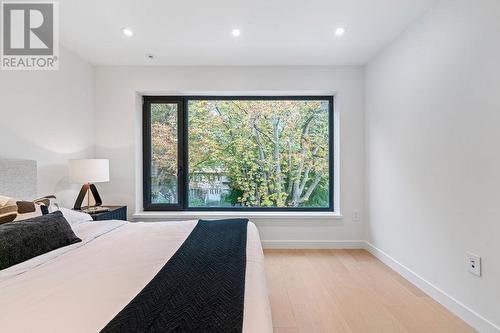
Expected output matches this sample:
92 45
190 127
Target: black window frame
183 154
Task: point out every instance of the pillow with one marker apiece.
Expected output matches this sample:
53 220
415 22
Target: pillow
12 210
27 210
23 240
75 217
49 204
8 209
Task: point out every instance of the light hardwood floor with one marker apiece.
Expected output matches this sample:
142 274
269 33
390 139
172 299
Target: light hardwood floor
314 291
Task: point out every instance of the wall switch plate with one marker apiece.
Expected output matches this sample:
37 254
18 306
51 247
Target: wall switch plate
474 264
356 216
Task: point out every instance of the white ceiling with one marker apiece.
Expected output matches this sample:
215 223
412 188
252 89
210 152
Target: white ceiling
198 32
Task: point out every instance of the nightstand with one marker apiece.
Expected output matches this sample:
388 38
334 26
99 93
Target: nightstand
116 213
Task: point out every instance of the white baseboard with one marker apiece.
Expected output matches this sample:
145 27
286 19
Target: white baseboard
461 310
313 244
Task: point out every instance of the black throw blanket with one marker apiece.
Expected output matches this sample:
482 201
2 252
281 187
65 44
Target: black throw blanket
200 289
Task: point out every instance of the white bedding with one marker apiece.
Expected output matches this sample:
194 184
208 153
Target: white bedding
81 287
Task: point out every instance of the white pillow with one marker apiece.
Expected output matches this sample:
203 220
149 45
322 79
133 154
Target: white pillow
75 217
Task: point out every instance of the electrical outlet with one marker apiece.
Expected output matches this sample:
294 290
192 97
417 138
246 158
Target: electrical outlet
356 216
474 264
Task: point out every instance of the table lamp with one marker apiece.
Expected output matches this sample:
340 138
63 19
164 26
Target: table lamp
88 172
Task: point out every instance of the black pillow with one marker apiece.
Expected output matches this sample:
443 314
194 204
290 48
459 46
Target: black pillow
26 239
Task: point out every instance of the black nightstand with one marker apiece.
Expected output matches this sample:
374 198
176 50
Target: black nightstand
116 213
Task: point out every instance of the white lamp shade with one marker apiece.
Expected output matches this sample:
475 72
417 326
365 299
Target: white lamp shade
88 171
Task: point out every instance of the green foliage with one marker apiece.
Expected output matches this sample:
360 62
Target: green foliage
232 196
196 202
273 153
164 153
319 198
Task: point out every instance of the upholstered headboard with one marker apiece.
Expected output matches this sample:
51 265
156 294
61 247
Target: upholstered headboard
18 179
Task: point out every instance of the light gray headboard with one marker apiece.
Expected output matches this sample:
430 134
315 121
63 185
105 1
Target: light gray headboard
18 179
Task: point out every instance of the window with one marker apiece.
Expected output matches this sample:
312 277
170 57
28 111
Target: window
238 153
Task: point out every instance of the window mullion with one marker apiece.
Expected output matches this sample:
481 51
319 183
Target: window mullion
183 149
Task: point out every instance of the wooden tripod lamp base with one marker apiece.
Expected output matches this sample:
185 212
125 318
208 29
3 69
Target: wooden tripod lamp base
85 190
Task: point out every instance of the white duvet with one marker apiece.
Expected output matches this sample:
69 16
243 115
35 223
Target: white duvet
81 287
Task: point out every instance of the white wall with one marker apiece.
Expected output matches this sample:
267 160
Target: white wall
432 150
48 116
118 133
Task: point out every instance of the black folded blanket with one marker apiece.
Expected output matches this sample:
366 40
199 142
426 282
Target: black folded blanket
200 289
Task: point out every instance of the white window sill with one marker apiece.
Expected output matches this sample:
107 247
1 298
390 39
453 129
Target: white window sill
186 215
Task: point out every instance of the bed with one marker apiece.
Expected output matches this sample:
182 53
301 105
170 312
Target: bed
84 287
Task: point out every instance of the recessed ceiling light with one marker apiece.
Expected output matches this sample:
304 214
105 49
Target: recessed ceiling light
236 32
339 31
127 32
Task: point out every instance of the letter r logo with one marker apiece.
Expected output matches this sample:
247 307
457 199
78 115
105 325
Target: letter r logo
28 28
